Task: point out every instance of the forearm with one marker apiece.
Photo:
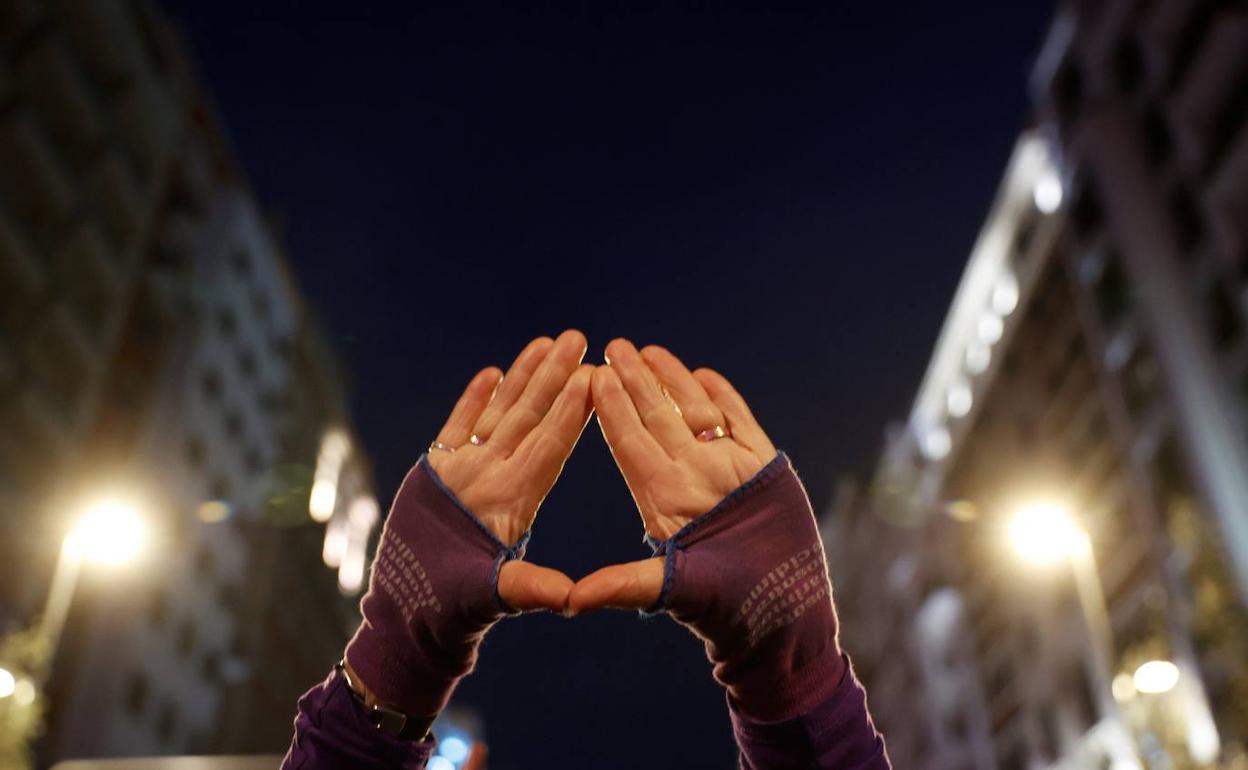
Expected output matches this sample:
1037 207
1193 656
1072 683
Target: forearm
836 734
332 730
431 598
771 627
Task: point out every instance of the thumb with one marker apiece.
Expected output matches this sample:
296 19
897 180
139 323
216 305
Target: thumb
525 587
635 585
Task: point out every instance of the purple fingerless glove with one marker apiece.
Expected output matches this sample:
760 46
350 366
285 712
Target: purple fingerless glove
432 595
750 579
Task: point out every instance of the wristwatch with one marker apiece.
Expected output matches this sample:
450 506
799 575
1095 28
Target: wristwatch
389 721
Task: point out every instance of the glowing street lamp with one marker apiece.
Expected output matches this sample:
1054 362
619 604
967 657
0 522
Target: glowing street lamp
1045 532
8 683
110 532
1156 677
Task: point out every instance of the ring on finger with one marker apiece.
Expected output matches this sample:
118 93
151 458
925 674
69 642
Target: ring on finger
712 433
439 445
476 440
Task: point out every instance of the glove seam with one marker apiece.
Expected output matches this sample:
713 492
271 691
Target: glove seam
505 553
767 473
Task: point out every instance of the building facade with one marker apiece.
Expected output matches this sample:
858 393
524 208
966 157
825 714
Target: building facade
152 338
1094 362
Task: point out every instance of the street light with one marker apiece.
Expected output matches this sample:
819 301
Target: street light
111 532
1156 677
8 683
1044 532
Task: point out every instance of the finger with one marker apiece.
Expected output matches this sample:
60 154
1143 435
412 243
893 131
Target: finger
540 392
696 407
638 453
475 398
635 585
657 413
525 587
513 385
543 452
741 423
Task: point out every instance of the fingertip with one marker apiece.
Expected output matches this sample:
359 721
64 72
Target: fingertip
708 377
615 348
603 378
489 375
570 336
655 351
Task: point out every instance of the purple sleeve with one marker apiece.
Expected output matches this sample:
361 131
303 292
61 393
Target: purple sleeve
837 734
331 731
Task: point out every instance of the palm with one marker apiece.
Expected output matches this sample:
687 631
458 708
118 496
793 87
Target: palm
651 409
505 444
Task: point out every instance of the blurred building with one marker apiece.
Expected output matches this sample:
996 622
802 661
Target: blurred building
1094 361
152 339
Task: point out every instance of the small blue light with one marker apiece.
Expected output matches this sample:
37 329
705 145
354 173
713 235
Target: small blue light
454 748
441 763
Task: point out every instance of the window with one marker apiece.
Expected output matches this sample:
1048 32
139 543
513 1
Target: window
136 693
233 424
210 383
195 452
1223 319
1188 222
247 363
205 560
1128 65
282 346
230 598
1113 295
158 607
253 460
1068 90
1158 141
210 668
1085 210
167 722
240 262
219 487
227 323
1140 381
185 642
261 306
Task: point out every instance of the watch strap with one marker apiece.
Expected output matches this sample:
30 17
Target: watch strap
392 722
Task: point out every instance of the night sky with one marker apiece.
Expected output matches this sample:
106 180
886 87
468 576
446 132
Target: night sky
786 195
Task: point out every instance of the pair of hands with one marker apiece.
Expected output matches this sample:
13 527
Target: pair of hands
651 409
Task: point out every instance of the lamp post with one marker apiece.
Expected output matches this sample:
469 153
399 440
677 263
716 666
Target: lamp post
111 532
1045 532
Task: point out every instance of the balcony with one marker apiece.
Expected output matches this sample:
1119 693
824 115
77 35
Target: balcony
150 121
51 81
1228 201
104 35
89 276
1210 81
22 277
34 181
117 194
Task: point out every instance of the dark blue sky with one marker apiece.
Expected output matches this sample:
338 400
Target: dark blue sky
787 195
